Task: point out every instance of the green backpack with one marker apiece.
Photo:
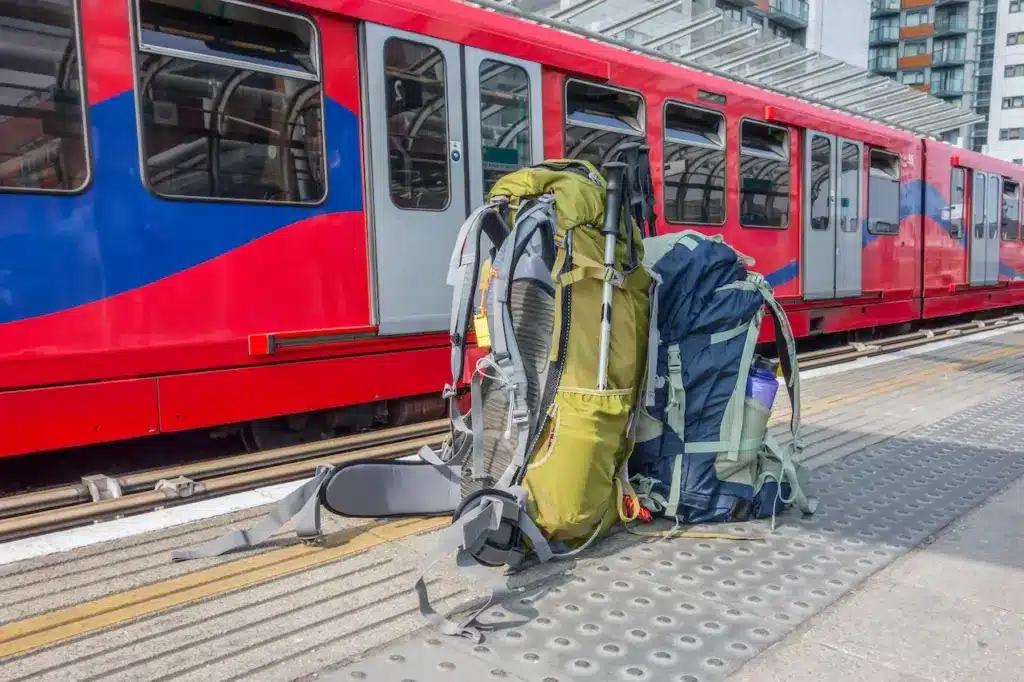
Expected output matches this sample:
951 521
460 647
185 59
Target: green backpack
538 466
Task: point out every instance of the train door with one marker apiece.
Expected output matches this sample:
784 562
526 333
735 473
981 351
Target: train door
833 213
444 121
984 242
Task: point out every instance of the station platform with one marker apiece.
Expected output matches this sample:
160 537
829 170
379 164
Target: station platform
910 570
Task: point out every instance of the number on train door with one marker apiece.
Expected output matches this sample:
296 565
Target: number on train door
429 165
832 191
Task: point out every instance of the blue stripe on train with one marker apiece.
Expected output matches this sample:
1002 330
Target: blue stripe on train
57 252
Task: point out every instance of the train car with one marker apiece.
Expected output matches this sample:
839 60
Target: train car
225 212
974 256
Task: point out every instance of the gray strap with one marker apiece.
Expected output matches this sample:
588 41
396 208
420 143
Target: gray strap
464 536
303 501
653 339
790 473
740 390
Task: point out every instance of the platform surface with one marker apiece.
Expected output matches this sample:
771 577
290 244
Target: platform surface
879 577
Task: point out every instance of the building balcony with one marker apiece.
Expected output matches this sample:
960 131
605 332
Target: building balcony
883 64
881 35
955 24
791 13
947 90
949 57
919 31
881 8
941 3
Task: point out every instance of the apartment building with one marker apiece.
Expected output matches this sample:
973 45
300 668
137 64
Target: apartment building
826 26
942 47
1006 119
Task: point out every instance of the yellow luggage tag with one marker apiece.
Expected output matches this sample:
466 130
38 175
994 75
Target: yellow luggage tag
480 328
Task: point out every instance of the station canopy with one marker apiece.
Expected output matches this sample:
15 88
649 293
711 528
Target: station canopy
695 34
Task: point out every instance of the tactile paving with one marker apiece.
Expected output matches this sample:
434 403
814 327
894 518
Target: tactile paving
697 610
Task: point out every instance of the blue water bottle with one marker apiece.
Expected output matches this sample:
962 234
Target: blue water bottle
761 382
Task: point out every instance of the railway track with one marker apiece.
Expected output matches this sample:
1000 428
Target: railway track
100 498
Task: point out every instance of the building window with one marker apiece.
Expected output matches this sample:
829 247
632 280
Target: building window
912 77
915 48
1010 133
957 203
764 175
599 120
43 144
1011 210
504 119
1013 103
917 18
694 167
731 11
1015 6
948 81
1015 38
1014 71
884 193
230 103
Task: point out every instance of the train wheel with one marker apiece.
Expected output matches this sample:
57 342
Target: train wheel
280 432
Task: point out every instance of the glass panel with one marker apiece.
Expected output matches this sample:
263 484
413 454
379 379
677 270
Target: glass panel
504 119
417 113
42 131
978 203
1011 210
956 203
694 167
884 193
821 182
215 30
217 131
994 194
598 120
849 193
764 175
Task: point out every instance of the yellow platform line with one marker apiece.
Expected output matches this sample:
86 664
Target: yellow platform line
55 626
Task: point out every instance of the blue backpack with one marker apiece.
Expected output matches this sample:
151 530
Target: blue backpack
703 452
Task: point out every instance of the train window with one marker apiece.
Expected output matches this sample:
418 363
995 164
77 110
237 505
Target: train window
43 145
884 193
599 119
957 205
1011 210
229 102
417 113
694 166
504 119
764 175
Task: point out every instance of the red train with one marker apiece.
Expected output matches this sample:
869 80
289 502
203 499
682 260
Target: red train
220 212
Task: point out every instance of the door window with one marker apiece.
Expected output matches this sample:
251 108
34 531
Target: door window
417 113
978 202
821 182
849 193
504 119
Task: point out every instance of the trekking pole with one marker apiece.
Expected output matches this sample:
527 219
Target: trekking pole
612 212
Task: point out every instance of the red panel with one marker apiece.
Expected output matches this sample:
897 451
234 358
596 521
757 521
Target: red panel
340 50
191 401
970 301
66 416
106 42
310 275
